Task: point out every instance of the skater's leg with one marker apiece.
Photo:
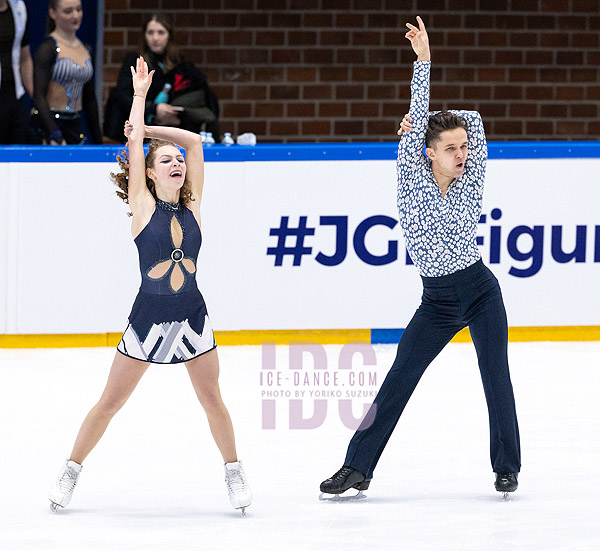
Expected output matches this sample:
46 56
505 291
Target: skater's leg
122 380
204 374
425 336
489 330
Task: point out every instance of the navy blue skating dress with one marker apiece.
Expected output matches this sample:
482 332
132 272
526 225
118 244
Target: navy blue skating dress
169 321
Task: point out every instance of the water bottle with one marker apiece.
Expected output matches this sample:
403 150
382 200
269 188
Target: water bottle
227 139
203 136
163 96
209 139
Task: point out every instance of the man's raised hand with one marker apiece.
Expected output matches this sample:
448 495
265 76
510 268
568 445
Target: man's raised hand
419 40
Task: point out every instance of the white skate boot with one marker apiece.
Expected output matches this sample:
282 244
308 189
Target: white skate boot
240 495
62 490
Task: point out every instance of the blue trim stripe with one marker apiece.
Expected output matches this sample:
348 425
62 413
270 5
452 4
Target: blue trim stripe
386 336
299 152
544 150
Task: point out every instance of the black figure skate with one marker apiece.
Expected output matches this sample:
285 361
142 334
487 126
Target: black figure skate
343 480
506 483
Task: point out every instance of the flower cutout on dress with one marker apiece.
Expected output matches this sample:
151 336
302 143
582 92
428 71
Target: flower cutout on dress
177 264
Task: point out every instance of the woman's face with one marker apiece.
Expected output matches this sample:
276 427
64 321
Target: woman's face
169 168
67 15
157 37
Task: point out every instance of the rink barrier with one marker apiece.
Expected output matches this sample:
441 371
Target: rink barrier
326 336
373 151
565 234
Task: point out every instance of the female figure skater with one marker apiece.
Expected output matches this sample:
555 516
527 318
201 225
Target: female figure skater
168 322
63 87
439 202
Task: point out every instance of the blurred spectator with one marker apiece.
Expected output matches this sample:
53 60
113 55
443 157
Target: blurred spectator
63 85
16 70
191 103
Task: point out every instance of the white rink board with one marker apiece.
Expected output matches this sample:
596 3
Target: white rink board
68 263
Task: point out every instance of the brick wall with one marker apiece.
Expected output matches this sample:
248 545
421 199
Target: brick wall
339 70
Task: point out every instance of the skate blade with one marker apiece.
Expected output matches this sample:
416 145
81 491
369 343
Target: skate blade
242 509
506 495
54 507
340 497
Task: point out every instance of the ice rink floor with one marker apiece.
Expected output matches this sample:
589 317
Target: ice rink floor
155 481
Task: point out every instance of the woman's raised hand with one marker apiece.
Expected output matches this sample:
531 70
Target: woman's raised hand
405 125
419 40
141 78
127 129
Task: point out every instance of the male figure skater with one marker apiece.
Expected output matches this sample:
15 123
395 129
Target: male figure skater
439 203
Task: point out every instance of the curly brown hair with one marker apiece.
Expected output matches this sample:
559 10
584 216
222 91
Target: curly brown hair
121 179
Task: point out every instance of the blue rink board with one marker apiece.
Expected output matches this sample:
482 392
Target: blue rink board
300 152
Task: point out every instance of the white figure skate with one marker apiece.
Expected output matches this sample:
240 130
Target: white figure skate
240 495
62 490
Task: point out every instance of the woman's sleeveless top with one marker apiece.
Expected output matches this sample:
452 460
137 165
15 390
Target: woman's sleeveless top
169 321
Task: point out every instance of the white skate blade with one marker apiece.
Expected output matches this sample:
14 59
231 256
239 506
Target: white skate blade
338 498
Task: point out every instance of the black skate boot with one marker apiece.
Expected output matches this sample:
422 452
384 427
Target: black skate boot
506 482
343 480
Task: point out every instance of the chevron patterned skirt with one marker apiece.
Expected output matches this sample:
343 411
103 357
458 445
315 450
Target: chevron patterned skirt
167 329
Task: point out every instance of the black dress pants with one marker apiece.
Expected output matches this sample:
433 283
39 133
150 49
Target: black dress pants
467 298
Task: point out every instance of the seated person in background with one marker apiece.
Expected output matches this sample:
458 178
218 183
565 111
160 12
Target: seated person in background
191 103
63 85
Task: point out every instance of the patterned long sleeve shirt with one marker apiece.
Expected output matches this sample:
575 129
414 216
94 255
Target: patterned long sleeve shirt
440 232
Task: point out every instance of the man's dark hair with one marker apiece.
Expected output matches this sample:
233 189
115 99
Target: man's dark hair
440 122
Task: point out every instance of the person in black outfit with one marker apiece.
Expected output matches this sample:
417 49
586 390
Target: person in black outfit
63 81
16 68
192 104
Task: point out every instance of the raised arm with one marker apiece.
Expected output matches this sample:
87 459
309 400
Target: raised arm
140 199
410 150
123 91
194 155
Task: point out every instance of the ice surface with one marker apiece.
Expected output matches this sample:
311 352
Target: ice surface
155 481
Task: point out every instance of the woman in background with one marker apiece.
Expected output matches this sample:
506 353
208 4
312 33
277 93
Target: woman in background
191 103
63 80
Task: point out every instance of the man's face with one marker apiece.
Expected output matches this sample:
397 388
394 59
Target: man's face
449 154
